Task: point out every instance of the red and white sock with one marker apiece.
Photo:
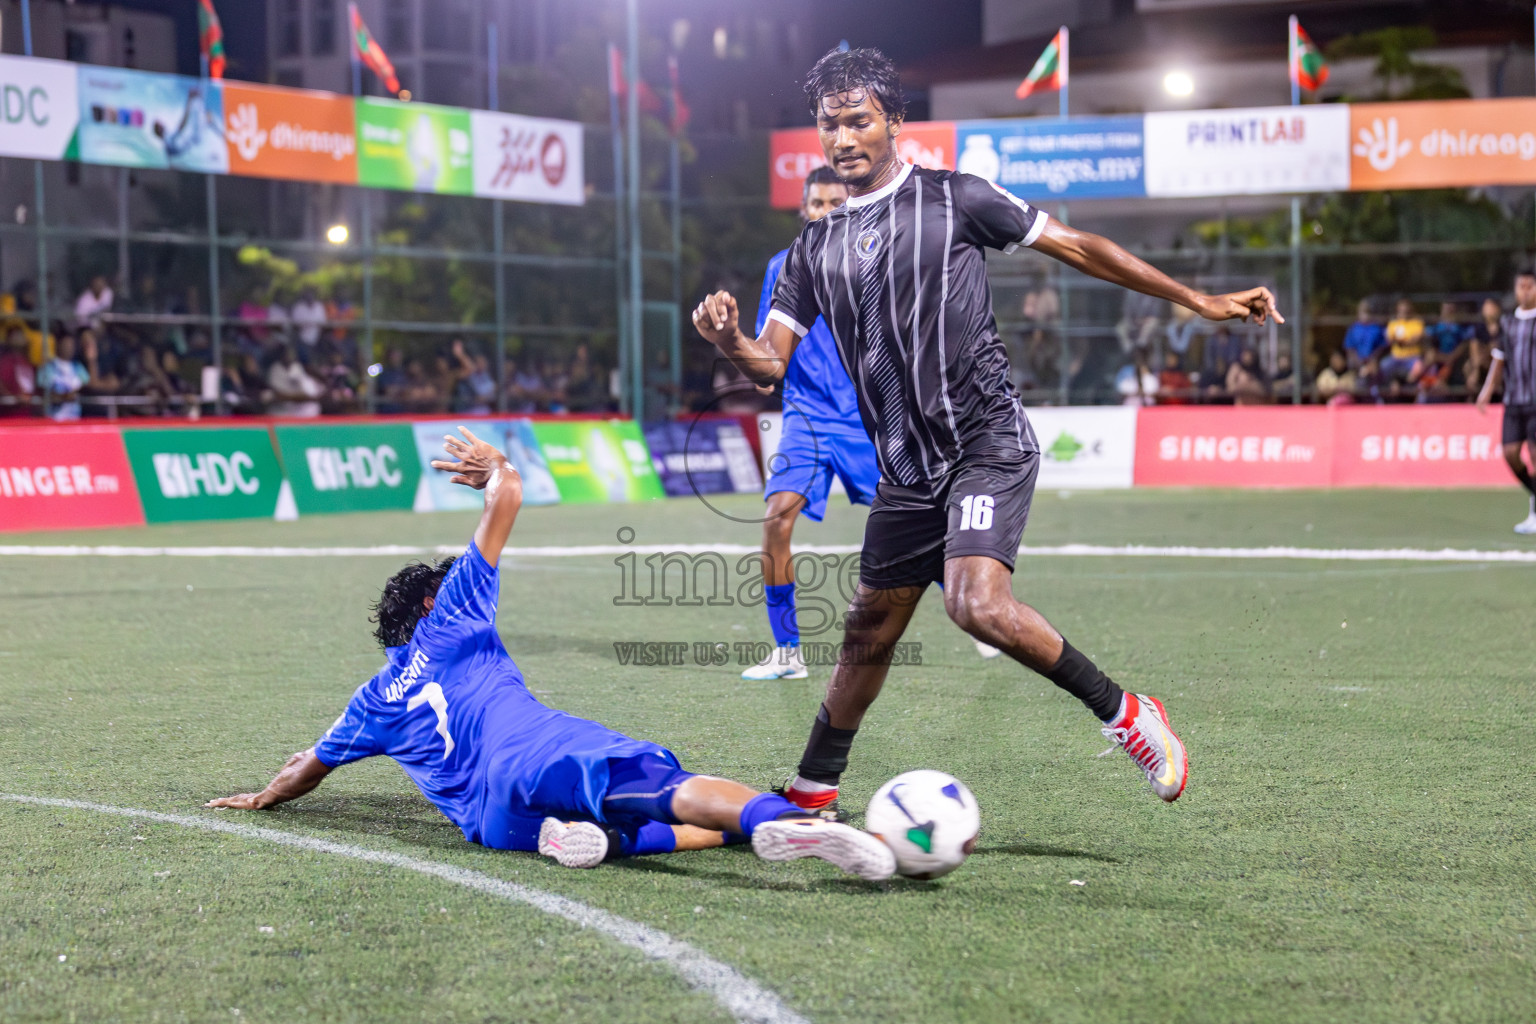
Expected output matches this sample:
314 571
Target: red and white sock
808 795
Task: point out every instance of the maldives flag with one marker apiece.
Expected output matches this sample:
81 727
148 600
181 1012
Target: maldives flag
1308 68
618 85
210 37
366 49
680 110
1050 71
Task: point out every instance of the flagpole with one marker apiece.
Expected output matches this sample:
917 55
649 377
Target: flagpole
38 196
498 229
621 326
365 230
675 353
1293 64
1066 75
215 314
1294 71
636 270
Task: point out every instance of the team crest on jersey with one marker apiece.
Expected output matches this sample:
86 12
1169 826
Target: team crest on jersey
868 244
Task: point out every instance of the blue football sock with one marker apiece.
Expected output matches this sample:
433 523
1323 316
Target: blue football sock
651 837
781 614
765 807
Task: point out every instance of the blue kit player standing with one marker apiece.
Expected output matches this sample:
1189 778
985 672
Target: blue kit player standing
823 434
451 708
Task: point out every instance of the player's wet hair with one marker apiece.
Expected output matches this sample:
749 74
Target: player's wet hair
1525 271
399 607
822 175
867 71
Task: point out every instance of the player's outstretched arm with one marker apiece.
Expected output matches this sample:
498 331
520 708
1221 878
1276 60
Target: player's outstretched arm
1495 375
763 359
1098 256
479 464
303 772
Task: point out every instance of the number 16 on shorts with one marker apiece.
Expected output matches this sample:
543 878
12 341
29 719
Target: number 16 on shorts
976 512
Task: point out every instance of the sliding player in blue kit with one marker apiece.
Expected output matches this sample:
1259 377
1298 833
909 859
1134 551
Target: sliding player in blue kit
451 708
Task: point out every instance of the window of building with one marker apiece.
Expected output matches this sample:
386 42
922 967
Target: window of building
452 85
451 27
322 28
290 78
289 29
399 30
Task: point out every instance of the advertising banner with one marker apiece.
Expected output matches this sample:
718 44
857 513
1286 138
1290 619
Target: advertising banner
290 133
532 159
349 467
436 492
598 460
1418 446
1225 446
703 456
796 152
214 473
1248 151
1045 158
417 147
65 479
39 108
139 119
1445 144
1086 448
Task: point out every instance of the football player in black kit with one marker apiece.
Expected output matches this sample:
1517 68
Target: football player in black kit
899 276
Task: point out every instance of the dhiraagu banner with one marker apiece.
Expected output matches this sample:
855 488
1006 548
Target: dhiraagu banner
598 460
350 467
219 473
416 147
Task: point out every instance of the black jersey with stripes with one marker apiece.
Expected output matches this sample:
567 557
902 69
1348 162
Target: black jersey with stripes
1518 351
900 277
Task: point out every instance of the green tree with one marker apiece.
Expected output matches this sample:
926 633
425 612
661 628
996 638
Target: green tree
1398 74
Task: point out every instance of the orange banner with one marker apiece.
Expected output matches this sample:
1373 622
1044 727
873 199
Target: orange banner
795 152
290 133
1445 144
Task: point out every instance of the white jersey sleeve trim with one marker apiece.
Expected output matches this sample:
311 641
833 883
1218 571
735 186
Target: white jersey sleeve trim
1498 354
788 321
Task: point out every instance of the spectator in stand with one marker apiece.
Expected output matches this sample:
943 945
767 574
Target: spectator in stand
294 391
586 387
1446 344
1184 329
390 384
1173 385
1246 382
308 316
102 368
525 387
18 379
1403 362
1365 336
553 373
420 394
1136 382
1221 351
474 390
179 393
1487 335
1336 383
340 311
254 312
1283 382
241 384
94 301
280 319
340 382
62 378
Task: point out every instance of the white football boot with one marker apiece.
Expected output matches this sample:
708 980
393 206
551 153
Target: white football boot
1142 730
781 663
843 846
1527 526
573 844
986 650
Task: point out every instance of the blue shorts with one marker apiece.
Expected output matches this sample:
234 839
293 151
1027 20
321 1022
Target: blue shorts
808 456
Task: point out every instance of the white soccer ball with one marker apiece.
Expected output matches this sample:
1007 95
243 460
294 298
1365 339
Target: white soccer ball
929 819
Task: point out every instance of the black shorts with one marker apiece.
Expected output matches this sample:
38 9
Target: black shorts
1520 424
979 508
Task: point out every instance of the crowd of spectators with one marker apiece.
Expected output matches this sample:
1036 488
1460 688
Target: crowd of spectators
151 358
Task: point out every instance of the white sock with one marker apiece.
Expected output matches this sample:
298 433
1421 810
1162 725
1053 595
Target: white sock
807 786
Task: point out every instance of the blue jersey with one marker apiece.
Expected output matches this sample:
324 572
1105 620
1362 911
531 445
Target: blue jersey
452 709
816 384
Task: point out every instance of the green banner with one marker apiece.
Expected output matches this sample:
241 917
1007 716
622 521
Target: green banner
192 473
414 146
350 467
598 460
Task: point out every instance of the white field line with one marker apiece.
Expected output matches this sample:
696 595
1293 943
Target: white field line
580 551
742 998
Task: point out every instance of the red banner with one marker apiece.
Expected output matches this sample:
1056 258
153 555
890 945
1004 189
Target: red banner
1256 446
1418 446
795 152
65 478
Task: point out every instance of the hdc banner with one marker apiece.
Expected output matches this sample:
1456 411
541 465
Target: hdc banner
65 479
39 108
215 473
350 467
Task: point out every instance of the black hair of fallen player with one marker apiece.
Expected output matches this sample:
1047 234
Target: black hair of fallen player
822 175
863 70
399 607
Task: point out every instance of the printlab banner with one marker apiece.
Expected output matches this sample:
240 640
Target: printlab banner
39 108
350 467
65 479
140 119
703 456
1250 151
1040 159
598 460
213 473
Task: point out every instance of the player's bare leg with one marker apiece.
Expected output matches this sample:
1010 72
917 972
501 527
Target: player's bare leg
784 662
978 595
1517 466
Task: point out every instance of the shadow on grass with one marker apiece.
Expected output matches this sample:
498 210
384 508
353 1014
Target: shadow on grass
406 819
1041 850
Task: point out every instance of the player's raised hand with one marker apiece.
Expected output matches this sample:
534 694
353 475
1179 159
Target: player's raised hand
717 317
1255 304
476 460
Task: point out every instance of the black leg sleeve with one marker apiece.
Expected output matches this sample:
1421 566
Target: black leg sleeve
1083 680
826 752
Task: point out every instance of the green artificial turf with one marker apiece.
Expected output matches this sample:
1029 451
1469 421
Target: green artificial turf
1356 843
